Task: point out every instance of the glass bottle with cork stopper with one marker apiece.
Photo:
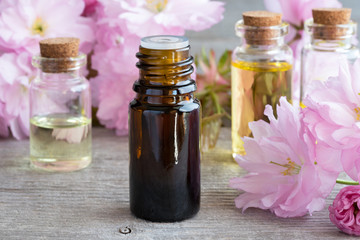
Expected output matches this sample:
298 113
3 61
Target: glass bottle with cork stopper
164 133
260 71
331 32
60 108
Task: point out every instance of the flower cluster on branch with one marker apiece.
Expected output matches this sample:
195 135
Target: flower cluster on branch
109 29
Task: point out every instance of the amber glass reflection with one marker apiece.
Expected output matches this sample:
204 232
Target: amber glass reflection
164 138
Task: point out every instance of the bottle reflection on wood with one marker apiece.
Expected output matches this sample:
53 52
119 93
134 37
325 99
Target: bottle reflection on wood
164 133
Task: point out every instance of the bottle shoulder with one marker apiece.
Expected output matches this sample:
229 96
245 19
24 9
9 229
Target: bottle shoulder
182 106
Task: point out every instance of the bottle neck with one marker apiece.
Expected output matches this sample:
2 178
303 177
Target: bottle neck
165 76
263 45
54 79
261 38
59 69
330 37
165 67
330 45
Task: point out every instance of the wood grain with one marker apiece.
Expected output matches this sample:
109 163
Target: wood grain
94 203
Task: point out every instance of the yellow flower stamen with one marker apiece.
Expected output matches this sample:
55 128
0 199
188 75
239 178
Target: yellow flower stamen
291 167
39 27
156 6
357 111
302 105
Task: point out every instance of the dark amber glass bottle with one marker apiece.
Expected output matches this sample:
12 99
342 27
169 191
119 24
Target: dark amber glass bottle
164 133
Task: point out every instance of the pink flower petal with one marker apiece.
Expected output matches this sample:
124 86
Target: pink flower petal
344 212
287 174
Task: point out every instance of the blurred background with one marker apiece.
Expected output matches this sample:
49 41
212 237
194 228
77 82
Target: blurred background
222 35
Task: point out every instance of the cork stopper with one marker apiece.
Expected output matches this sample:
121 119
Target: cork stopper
59 47
58 50
331 16
261 19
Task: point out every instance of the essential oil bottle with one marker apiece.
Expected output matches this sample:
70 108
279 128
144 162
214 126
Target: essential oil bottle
60 108
260 72
164 133
331 32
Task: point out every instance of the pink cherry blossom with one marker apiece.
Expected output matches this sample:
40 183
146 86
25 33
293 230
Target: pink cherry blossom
297 11
114 53
119 28
321 66
344 212
155 17
114 58
90 7
115 94
287 172
15 76
210 71
333 114
23 23
4 130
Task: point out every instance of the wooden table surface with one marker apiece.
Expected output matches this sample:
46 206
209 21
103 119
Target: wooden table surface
94 203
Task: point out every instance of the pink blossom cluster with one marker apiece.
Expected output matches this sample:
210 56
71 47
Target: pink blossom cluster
289 173
22 24
293 162
120 25
110 28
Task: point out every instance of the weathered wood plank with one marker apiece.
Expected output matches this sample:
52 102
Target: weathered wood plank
94 203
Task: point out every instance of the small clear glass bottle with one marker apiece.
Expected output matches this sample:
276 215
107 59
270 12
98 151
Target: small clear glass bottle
164 133
261 71
60 108
331 32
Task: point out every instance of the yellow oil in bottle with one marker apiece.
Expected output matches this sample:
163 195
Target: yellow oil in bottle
60 142
253 86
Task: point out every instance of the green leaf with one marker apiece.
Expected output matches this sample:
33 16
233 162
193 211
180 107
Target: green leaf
224 65
265 83
204 57
223 59
268 78
196 60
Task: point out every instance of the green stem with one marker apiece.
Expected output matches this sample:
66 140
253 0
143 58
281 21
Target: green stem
346 182
213 117
216 101
222 88
202 93
297 27
227 115
296 37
